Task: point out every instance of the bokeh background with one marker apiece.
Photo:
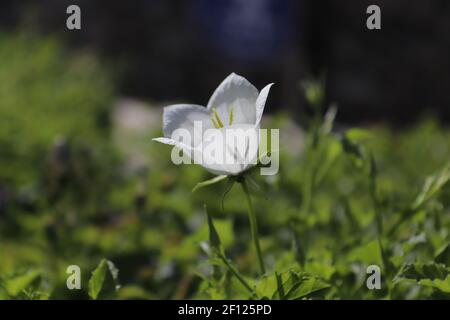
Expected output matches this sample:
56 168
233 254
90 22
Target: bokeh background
167 50
80 179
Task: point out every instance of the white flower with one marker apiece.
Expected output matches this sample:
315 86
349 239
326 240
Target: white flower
235 106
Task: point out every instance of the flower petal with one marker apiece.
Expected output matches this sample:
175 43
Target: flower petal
173 143
237 95
182 116
261 102
231 150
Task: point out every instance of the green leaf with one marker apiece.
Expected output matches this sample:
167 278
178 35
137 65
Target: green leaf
267 286
441 285
328 159
134 292
304 285
369 253
190 245
358 134
114 271
432 275
214 238
419 271
209 182
433 184
289 285
328 120
97 279
443 255
355 150
15 285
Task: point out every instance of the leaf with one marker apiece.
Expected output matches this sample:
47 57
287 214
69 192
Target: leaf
114 274
289 285
328 120
209 182
267 286
432 275
134 292
419 271
354 149
443 255
304 285
97 279
358 134
369 253
329 157
441 285
189 246
17 284
322 269
214 238
433 184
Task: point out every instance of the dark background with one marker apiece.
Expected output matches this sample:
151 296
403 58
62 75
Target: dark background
180 50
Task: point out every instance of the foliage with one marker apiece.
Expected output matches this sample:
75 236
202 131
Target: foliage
348 199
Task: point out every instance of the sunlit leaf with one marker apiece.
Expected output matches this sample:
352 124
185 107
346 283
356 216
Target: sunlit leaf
442 285
433 184
97 279
16 284
369 253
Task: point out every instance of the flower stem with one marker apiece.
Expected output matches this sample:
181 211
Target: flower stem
253 226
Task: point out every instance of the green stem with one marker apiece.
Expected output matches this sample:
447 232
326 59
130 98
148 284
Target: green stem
235 273
253 226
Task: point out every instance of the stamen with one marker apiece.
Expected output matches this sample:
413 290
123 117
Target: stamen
231 118
218 124
215 124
